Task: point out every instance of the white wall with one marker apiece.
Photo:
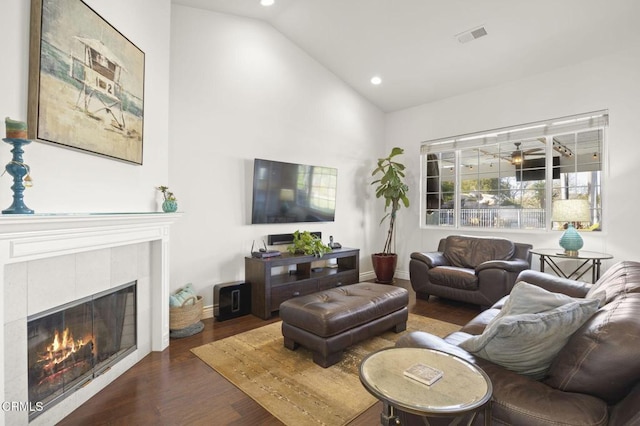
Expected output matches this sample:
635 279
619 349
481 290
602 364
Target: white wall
68 181
240 90
610 81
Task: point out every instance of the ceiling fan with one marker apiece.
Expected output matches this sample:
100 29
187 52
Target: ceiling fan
517 156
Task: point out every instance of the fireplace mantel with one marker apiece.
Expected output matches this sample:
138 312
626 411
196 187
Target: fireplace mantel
29 237
25 238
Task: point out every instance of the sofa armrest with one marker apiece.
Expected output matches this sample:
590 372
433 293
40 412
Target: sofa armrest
432 259
520 400
422 339
555 284
516 265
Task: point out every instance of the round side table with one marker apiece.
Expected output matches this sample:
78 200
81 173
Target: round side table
463 388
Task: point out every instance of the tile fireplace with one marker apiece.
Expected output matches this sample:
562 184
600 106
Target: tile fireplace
49 263
70 345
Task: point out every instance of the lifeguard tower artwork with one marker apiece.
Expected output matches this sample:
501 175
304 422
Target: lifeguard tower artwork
99 73
86 88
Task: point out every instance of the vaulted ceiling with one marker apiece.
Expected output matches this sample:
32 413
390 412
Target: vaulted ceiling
413 46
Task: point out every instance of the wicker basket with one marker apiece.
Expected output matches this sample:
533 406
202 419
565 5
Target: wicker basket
189 313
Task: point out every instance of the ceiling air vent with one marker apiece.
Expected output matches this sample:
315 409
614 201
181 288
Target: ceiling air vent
473 34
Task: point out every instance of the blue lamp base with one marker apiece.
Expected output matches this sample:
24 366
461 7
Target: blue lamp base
571 241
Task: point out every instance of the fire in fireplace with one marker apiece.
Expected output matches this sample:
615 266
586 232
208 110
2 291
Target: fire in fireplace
65 352
70 345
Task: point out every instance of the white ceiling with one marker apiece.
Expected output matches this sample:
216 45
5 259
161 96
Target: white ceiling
412 44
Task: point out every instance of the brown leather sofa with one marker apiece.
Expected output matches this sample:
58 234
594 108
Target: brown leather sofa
593 380
469 269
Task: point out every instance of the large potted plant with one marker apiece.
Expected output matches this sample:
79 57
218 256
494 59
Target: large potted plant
391 187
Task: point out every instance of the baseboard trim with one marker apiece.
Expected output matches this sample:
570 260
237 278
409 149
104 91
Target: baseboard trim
368 276
207 312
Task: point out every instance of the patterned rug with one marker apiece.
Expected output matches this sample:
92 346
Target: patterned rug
290 385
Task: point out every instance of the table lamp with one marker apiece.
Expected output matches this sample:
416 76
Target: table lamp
571 211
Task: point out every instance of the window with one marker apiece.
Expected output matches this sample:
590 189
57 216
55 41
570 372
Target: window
508 178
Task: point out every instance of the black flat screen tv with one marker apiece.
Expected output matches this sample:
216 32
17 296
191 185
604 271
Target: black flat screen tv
291 193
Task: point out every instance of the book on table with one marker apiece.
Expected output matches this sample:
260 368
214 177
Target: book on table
423 374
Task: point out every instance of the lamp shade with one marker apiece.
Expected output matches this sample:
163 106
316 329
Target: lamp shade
571 211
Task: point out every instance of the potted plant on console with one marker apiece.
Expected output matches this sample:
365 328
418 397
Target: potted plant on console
392 188
307 243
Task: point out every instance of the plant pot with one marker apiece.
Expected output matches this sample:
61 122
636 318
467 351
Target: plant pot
384 265
169 206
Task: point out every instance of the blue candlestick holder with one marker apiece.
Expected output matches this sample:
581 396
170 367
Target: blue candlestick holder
18 170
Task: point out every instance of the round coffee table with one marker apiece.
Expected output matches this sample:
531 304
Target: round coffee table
463 388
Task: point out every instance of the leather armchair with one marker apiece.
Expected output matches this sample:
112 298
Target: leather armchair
469 269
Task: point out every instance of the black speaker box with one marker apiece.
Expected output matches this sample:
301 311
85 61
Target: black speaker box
275 239
231 300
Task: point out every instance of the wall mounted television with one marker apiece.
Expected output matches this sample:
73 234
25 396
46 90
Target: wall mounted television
291 193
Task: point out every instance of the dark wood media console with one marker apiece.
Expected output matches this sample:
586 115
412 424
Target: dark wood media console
269 289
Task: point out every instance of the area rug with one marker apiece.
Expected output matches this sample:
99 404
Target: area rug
290 385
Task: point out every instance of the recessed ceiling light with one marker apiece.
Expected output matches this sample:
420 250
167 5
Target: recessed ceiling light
267 2
375 80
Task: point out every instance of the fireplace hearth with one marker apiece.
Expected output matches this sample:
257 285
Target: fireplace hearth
70 345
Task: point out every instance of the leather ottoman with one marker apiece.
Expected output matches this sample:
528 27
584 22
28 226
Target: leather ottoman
329 321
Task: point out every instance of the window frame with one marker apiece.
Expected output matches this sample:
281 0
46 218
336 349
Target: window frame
496 143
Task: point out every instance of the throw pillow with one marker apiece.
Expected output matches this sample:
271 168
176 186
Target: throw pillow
177 299
531 329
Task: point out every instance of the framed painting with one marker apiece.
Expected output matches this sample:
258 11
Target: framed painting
86 82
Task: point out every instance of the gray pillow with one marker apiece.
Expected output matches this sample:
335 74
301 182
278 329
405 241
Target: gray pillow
530 330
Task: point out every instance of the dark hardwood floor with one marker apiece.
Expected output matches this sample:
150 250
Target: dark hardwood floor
174 387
